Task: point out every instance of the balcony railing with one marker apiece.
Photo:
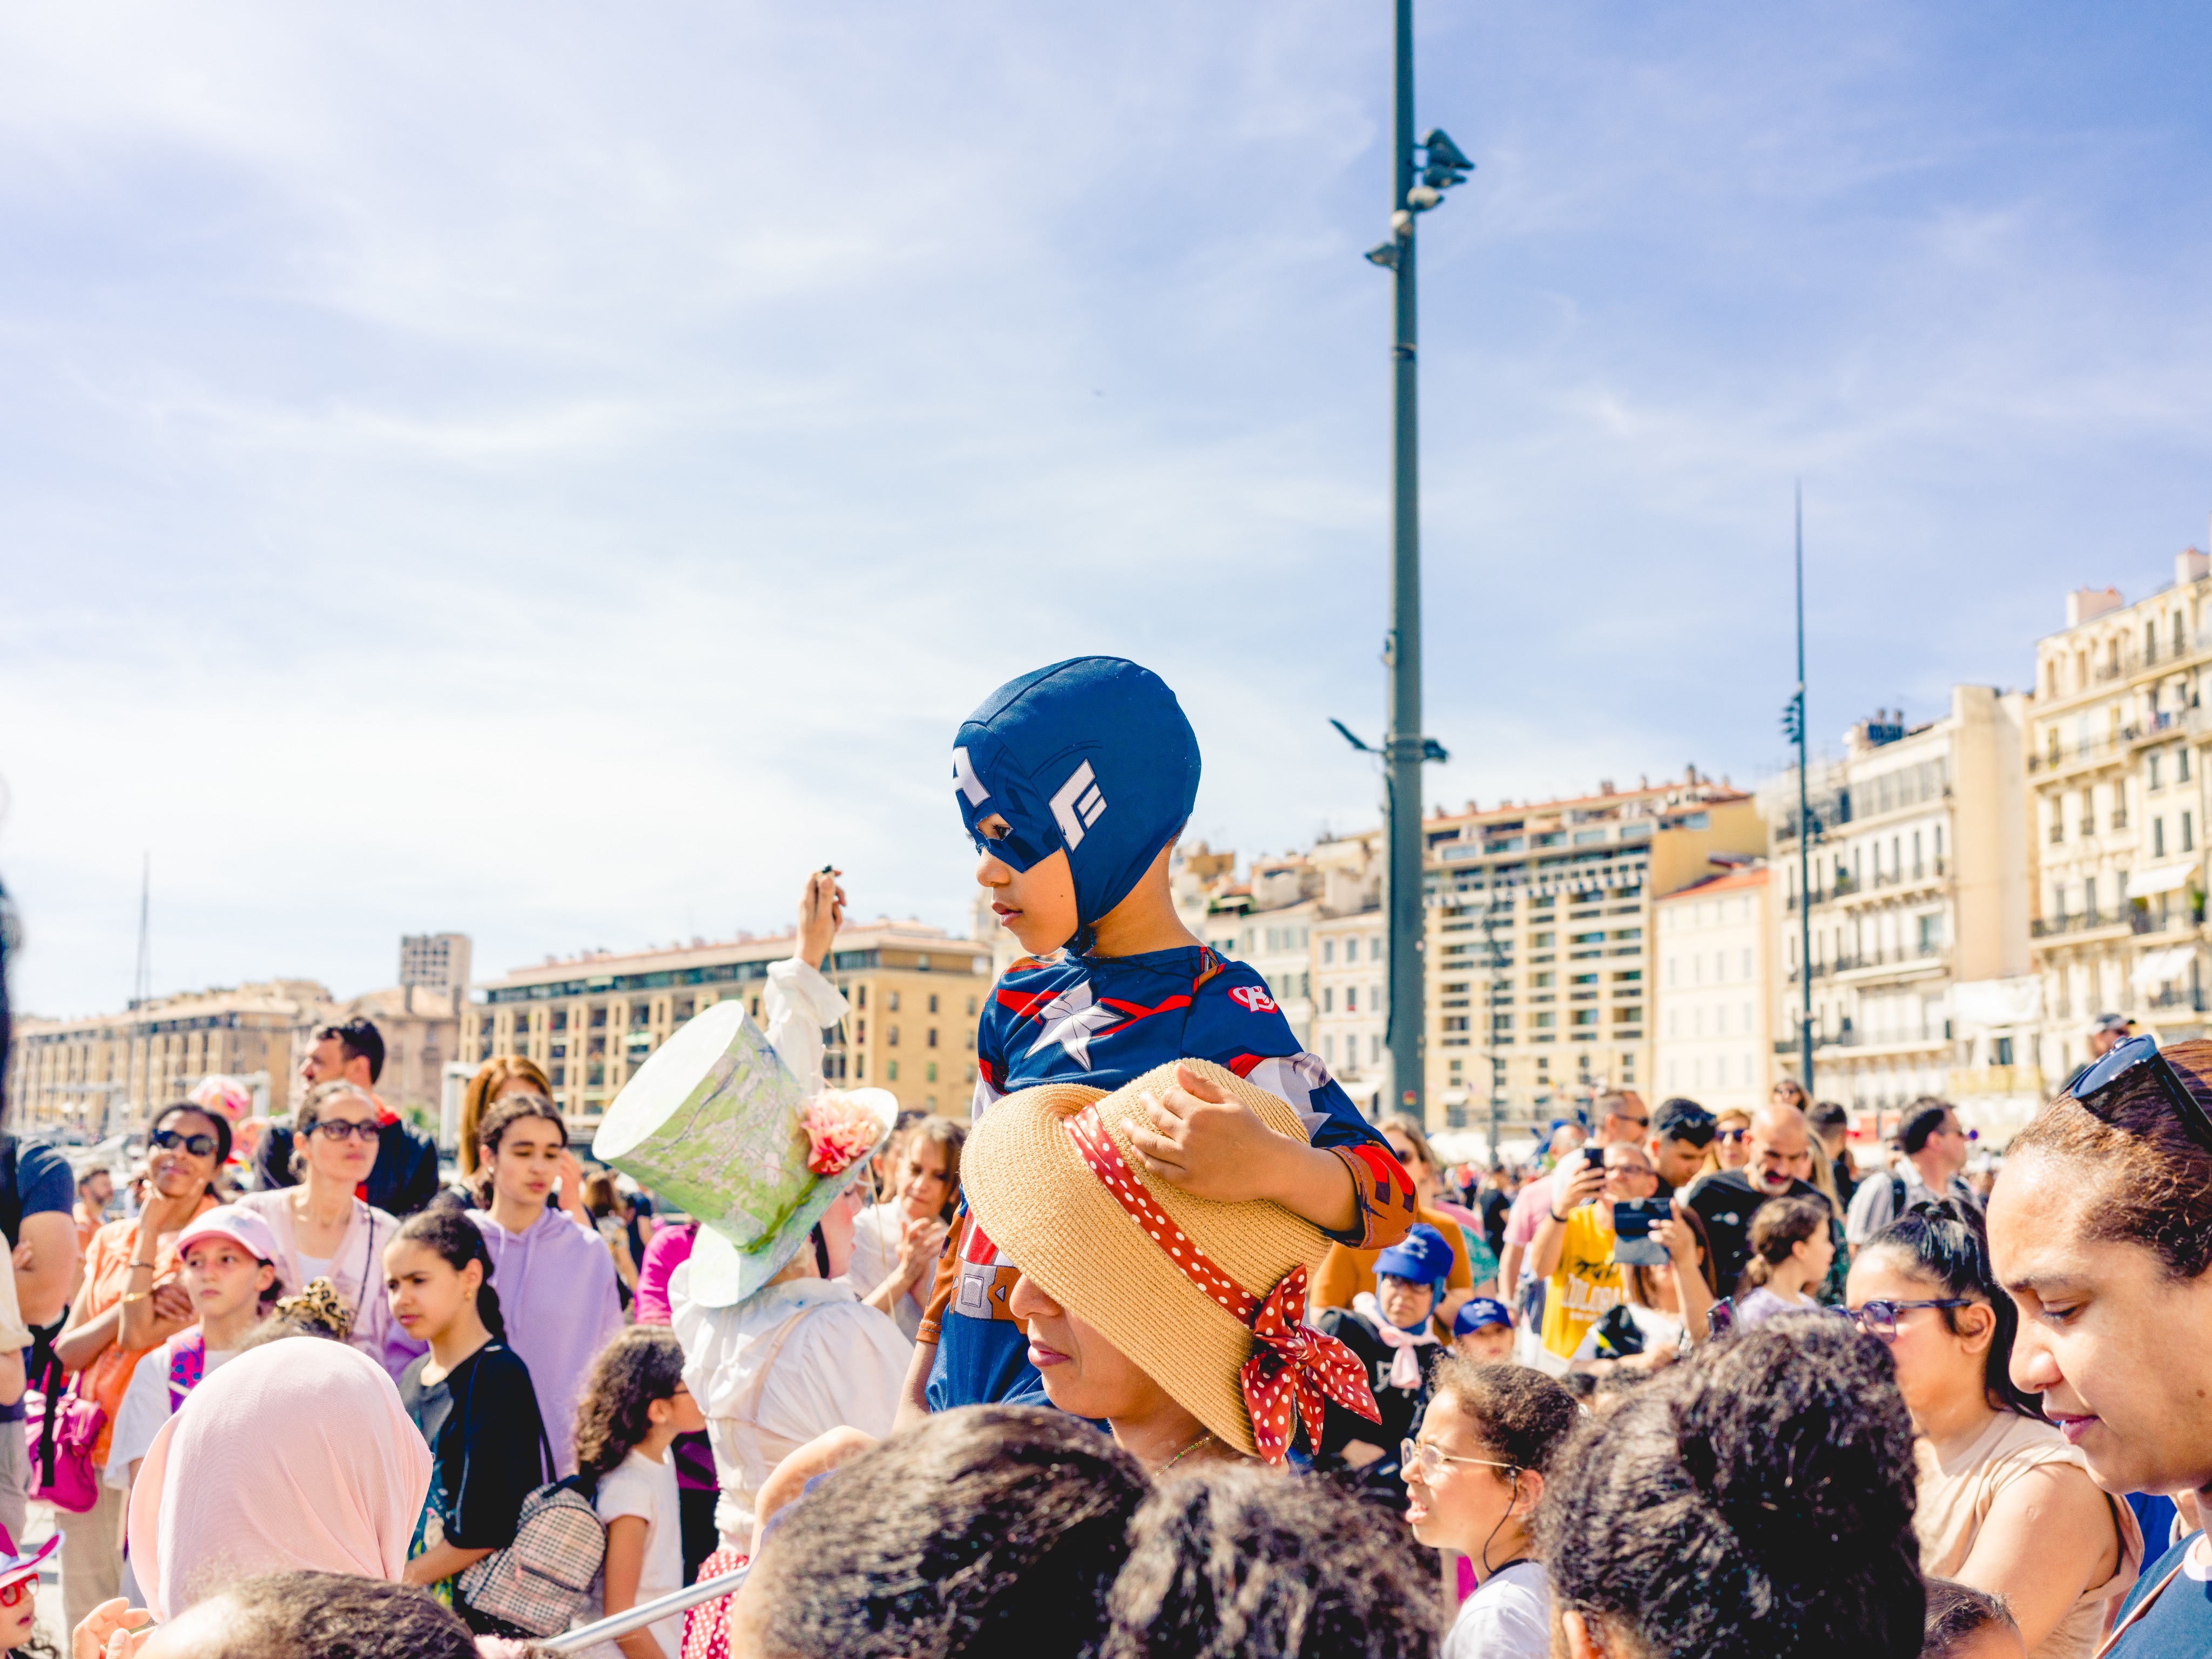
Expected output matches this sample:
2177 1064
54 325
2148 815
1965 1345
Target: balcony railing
2191 1000
1997 1080
2080 922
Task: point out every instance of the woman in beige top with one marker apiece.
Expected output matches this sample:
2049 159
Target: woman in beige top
2005 1505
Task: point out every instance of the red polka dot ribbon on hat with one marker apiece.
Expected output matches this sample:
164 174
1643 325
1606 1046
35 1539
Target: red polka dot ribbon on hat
1294 1368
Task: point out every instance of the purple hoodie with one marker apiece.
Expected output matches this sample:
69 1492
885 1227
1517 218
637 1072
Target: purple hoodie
557 1293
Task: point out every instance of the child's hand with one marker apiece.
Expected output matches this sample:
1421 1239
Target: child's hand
112 1628
1210 1145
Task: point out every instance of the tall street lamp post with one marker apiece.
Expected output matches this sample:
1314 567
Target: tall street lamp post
1419 175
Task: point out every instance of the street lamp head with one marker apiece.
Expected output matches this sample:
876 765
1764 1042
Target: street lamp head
1401 223
1422 198
1385 255
1443 153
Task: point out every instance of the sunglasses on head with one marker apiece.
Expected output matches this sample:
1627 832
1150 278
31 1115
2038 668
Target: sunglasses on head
169 1139
2097 1090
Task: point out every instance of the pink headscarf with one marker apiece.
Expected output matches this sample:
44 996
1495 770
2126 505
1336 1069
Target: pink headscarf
296 1455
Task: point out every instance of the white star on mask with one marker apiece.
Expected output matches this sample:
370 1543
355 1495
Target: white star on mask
1069 1019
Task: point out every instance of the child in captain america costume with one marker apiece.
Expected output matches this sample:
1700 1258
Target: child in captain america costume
1074 781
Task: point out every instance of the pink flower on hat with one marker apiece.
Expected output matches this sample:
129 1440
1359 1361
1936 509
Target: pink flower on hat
840 1132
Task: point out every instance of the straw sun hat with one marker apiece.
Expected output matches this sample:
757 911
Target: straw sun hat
1179 1284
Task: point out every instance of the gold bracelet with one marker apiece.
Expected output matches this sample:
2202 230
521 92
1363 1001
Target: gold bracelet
135 1296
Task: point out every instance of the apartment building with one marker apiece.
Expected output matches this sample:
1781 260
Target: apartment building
97 1076
1918 883
437 962
2115 767
1712 1025
1542 938
591 1021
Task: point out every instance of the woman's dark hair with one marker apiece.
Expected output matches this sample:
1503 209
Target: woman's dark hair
1955 1613
222 1128
1946 1242
1779 1227
310 1113
988 1530
599 1194
1230 1561
1520 1414
1754 1500
332 1615
499 1117
2143 1180
447 1232
643 1364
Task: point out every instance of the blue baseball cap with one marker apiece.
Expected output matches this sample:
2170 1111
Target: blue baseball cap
1421 1258
1479 1313
1092 756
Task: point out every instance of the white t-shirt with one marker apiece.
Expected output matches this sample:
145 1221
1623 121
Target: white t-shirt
1507 1616
145 1405
638 1486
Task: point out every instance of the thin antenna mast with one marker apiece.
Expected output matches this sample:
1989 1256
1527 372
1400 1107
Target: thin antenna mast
1804 830
142 983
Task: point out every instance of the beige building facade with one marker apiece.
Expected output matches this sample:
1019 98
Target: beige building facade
1712 1040
1541 940
1918 883
2116 757
590 1022
102 1074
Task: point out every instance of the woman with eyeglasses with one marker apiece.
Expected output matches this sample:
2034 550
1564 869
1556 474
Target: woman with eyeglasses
2005 1505
2100 1229
1474 1477
322 1230
133 1299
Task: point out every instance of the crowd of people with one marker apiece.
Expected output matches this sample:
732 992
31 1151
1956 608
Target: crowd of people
1168 1352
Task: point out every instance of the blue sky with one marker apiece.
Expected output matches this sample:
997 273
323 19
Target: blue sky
559 474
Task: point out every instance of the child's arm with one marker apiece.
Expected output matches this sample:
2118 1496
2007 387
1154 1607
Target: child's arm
1213 1147
625 1563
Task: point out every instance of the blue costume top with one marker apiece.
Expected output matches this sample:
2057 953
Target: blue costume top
1093 758
1102 1022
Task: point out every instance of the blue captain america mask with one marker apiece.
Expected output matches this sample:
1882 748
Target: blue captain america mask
1091 757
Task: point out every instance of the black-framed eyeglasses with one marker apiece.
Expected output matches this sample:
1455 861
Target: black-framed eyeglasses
337 1128
2095 1090
1732 1135
1878 1319
170 1139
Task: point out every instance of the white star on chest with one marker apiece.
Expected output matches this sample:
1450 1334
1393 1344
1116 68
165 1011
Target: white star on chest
1069 1019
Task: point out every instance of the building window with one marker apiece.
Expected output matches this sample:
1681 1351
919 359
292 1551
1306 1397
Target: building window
1329 953
2157 838
929 1038
933 1008
861 997
891 1001
600 1015
1328 999
891 1071
929 1072
1351 999
2188 834
1375 947
890 1037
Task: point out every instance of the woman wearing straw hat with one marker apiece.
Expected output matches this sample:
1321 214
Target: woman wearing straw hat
1178 1318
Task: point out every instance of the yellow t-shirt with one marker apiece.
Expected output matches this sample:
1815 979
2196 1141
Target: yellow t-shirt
1586 1283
